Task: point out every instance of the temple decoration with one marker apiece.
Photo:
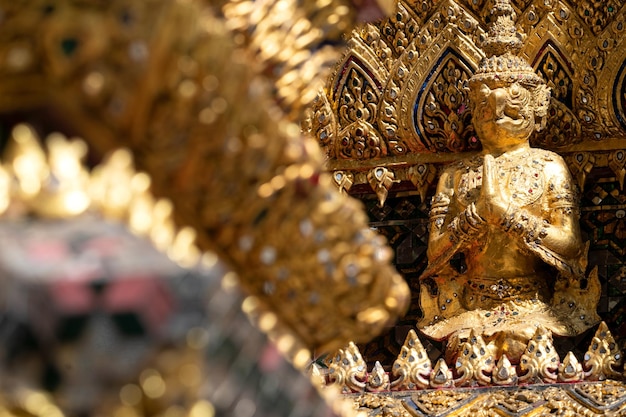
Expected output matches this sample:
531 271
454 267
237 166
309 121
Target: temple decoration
510 216
209 101
413 366
474 363
504 372
225 167
539 364
507 263
381 180
418 61
604 358
570 370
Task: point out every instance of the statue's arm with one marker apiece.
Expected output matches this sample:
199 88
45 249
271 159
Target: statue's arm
555 233
440 217
450 228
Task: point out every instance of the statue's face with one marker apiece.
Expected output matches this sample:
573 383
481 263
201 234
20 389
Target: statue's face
502 115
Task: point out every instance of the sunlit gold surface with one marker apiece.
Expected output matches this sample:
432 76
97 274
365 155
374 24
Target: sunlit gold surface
504 234
166 89
209 104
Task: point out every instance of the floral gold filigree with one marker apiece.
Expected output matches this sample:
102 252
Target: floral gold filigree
412 368
540 360
604 358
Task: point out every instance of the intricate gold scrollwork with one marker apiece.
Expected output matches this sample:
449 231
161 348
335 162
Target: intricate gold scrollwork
475 362
604 358
347 369
540 361
412 368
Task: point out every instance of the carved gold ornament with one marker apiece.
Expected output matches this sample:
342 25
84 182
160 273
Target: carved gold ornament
209 98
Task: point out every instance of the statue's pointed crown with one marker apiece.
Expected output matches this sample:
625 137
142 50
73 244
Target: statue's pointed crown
502 45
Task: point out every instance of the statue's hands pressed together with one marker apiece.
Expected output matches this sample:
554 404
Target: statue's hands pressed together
492 203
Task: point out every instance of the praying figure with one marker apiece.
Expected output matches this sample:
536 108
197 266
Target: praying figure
505 253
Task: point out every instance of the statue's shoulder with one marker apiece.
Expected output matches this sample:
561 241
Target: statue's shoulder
553 163
545 154
547 157
466 163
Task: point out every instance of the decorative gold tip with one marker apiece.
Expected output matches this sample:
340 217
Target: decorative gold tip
412 368
347 369
501 46
603 360
570 370
502 36
381 180
540 361
441 376
474 363
504 373
378 379
343 180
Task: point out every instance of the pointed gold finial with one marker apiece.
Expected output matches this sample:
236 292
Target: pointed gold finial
570 370
502 65
441 375
413 366
603 359
502 36
504 373
378 380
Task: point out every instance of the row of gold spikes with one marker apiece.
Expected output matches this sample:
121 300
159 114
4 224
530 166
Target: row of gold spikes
475 365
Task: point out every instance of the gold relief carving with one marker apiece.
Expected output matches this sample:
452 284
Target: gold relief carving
604 359
322 124
602 396
562 130
581 164
474 363
347 369
360 140
422 177
381 406
516 402
344 180
570 370
597 15
399 30
440 402
412 368
381 179
377 380
358 98
371 35
445 122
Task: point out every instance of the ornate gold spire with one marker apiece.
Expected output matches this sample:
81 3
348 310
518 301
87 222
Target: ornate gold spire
501 64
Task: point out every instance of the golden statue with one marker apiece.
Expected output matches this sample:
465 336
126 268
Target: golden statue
505 251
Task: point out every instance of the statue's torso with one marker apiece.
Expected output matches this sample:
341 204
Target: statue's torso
496 265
